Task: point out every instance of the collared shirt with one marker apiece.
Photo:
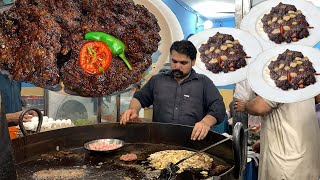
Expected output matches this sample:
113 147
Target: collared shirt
186 103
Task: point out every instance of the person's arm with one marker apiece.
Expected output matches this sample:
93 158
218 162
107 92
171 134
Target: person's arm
256 147
256 107
209 120
13 118
202 127
317 98
141 98
135 105
213 102
216 111
132 111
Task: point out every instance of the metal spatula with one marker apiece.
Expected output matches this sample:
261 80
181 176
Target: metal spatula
171 169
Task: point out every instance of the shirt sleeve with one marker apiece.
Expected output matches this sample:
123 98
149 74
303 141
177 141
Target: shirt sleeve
145 94
243 91
213 101
272 104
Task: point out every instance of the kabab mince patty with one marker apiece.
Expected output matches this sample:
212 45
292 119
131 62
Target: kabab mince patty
222 53
285 23
292 70
40 42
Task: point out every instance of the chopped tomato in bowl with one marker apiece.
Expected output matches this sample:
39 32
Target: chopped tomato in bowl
95 57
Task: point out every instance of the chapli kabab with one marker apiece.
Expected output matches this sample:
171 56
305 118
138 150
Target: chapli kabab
48 43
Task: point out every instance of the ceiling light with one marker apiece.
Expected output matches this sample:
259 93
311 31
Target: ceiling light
207 24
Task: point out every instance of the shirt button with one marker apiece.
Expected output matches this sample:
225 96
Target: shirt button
176 108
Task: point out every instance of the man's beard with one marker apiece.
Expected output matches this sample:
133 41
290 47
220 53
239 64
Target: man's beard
177 73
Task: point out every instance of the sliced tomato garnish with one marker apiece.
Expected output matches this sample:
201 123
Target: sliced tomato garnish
289 77
281 29
219 59
95 57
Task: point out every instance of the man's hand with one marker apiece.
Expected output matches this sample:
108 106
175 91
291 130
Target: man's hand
32 113
239 105
14 117
200 130
256 147
27 117
128 115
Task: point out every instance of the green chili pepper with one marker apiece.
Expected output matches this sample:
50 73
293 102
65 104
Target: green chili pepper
94 53
116 46
90 50
101 69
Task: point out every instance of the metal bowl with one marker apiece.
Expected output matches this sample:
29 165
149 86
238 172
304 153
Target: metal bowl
108 141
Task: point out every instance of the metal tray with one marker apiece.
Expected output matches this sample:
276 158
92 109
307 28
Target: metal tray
108 141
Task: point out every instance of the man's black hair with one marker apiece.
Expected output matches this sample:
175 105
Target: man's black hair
185 47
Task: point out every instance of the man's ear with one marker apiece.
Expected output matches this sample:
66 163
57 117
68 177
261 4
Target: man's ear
193 62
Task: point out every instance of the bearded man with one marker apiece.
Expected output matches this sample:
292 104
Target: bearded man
180 96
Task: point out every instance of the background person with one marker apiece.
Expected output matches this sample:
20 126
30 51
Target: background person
289 138
11 92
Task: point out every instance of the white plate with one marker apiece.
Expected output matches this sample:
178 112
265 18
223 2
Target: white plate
250 45
261 83
170 32
252 22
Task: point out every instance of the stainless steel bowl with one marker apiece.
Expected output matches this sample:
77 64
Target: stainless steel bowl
109 141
